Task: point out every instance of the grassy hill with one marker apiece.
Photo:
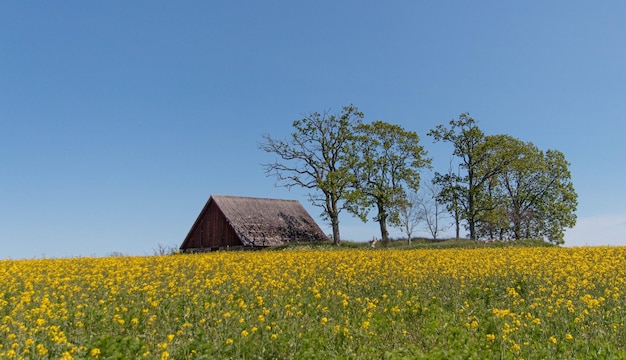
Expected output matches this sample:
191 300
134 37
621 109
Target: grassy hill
421 243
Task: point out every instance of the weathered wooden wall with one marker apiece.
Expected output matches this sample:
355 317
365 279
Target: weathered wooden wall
211 230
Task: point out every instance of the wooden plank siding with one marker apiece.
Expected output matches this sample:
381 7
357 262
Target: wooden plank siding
211 230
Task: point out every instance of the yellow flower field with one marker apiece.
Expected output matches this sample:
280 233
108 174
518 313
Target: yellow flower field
458 303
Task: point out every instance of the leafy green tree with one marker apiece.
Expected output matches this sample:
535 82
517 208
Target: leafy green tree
493 217
318 157
540 197
463 192
492 221
513 190
389 162
471 193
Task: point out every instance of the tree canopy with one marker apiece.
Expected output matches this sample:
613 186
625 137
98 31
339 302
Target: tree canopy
317 157
389 160
509 188
504 188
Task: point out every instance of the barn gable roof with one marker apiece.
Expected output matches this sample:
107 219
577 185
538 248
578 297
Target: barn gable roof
262 222
265 222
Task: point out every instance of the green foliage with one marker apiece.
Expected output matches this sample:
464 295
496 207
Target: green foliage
119 347
317 157
535 192
389 160
503 188
509 188
466 194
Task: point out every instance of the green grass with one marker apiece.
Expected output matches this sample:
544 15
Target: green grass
418 243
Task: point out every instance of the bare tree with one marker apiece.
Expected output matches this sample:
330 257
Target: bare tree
162 250
423 207
432 211
410 214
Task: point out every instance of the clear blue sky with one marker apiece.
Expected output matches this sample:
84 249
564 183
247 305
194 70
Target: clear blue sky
119 119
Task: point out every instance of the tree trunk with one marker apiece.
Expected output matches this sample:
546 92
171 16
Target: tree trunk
384 234
408 231
517 230
334 221
382 221
333 215
436 230
471 214
457 223
471 211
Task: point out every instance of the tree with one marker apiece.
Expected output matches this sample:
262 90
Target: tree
432 210
560 200
389 162
449 194
422 207
472 147
409 214
317 157
514 188
494 216
511 189
537 189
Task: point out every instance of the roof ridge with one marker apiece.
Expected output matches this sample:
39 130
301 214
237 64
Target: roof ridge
249 197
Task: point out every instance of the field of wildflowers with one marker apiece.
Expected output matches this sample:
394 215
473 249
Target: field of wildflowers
449 303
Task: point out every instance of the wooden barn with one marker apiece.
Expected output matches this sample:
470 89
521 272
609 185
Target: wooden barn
234 221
